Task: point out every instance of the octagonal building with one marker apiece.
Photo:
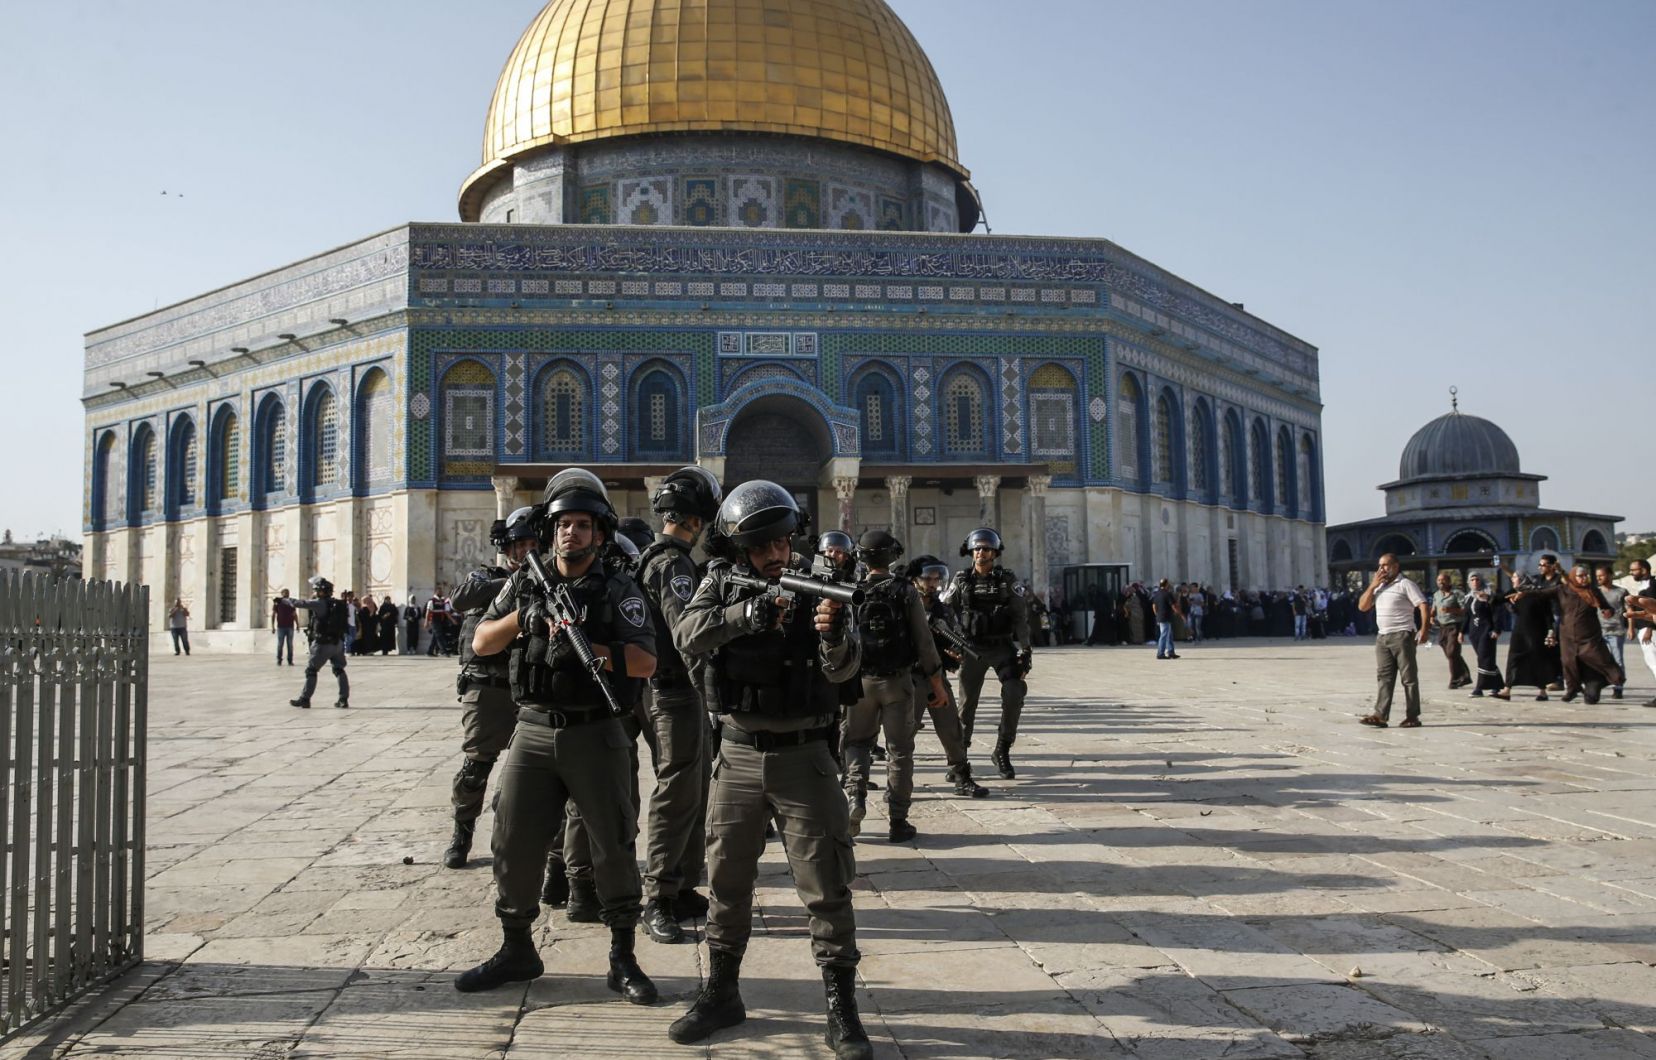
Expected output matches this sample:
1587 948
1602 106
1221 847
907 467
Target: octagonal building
733 232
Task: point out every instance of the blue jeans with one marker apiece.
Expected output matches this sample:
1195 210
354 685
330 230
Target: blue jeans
284 636
1164 639
1299 627
1618 648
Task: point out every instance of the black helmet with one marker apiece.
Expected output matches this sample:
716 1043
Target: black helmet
920 566
836 539
756 512
624 545
579 490
523 525
688 491
879 549
982 537
321 585
636 532
497 535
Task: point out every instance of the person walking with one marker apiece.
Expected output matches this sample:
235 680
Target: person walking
1399 608
1532 656
1449 610
178 623
1165 606
992 610
284 616
327 626
929 574
389 614
1301 608
1640 629
411 615
1587 663
1483 633
1615 626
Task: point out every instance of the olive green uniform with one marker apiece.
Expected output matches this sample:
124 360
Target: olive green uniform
945 716
994 614
488 714
775 693
567 745
887 702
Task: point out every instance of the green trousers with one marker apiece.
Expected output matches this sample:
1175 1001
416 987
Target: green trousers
887 705
676 843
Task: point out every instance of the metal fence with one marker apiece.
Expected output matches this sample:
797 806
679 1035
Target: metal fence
74 679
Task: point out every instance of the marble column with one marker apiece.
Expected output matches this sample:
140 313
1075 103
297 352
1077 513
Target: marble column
1035 520
988 489
845 489
898 487
505 487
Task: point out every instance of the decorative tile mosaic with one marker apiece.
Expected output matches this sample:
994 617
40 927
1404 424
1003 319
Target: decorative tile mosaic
669 289
468 285
502 287
867 292
730 343
921 375
901 291
850 208
595 205
992 294
892 214
1011 389
532 286
836 290
644 202
769 344
801 203
515 406
805 344
1023 294
733 290
699 290
753 202
804 290
931 292
770 290
701 201
635 287
609 406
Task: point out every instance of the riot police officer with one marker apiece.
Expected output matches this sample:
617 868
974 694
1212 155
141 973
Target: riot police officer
676 843
484 689
635 532
567 743
770 672
896 643
992 610
930 574
328 618
840 550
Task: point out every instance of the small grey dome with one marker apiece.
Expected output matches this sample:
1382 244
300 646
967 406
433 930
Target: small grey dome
1458 444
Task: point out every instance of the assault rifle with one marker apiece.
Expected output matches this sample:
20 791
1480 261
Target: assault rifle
956 639
565 619
789 584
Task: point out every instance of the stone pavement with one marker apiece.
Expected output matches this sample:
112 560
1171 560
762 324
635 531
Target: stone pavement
1201 858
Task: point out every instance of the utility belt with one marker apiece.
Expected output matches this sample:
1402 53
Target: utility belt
992 640
468 681
672 684
893 672
776 741
563 719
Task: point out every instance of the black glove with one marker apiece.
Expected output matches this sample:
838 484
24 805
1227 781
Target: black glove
753 615
1026 661
532 618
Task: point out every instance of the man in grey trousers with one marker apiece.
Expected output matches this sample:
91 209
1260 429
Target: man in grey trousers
1404 620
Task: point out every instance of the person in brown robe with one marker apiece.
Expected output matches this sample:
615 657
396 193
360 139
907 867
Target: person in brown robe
1588 664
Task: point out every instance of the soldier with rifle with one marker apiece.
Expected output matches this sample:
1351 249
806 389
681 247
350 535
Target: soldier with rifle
929 574
569 629
994 614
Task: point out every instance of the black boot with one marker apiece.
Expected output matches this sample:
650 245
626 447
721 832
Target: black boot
459 847
515 962
858 803
555 890
583 907
1001 756
625 976
964 785
660 923
845 1034
719 1005
901 832
301 702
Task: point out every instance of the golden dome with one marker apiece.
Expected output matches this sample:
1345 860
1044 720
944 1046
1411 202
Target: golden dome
844 70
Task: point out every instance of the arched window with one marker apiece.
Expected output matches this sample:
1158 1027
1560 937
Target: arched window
1164 440
1201 442
1395 544
373 430
143 474
563 412
965 420
271 462
1230 462
1259 468
183 463
1593 541
1467 542
468 420
1544 539
1309 507
323 441
224 465
876 400
1287 500
656 413
103 460
1131 441
1053 404
1341 552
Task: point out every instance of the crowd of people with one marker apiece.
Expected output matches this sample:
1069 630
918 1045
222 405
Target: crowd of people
1197 613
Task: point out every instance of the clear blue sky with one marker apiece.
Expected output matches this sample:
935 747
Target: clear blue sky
1432 193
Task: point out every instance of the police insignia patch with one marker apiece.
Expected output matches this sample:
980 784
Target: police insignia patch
681 587
634 611
1019 589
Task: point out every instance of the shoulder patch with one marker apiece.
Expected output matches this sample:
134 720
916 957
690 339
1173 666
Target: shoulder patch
634 611
1018 589
682 587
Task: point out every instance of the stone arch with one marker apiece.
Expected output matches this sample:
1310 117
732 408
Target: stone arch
1340 552
658 406
1397 543
877 395
183 467
224 477
1233 462
1544 539
1285 487
270 450
563 402
466 420
99 517
1132 436
319 464
1310 482
1259 466
372 454
143 475
1167 437
1593 541
1203 461
966 411
1054 419
777 437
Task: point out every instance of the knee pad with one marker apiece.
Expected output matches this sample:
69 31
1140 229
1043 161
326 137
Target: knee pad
473 776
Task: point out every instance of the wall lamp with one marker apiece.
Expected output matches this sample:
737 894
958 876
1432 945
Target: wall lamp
119 386
198 364
286 336
338 321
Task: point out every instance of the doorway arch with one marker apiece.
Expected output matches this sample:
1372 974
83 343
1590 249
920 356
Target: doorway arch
782 439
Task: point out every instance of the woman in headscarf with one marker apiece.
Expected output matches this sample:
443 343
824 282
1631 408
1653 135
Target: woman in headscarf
1483 633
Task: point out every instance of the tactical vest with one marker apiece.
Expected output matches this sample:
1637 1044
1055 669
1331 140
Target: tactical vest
775 673
887 642
492 666
655 571
330 625
567 684
986 605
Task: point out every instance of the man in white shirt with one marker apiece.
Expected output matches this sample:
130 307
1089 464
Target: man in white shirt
1398 605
